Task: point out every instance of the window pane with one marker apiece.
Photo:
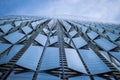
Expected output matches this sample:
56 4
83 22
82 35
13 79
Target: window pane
6 28
93 62
41 39
17 23
73 33
79 42
74 61
84 29
27 29
105 54
14 37
112 36
50 59
31 57
98 78
3 47
66 25
53 39
116 55
21 76
105 44
34 24
80 78
44 76
92 35
12 52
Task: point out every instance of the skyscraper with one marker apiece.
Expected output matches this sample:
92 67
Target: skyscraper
35 48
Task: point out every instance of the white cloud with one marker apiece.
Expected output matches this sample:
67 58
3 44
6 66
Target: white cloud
97 10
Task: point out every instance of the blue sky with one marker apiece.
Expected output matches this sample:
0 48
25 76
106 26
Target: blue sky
95 10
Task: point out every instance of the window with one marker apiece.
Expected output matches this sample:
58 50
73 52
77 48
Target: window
9 55
50 58
6 28
3 47
93 62
41 39
79 42
105 44
74 61
14 37
31 57
44 76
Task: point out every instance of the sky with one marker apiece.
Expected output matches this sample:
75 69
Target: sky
95 10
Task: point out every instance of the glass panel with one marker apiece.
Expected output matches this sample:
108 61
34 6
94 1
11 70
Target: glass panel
79 42
27 29
93 62
116 55
51 23
53 39
117 63
21 76
17 23
41 39
92 35
84 29
112 36
34 24
66 25
98 78
105 54
73 33
105 44
12 52
44 76
46 30
50 59
74 61
14 37
31 57
3 47
80 78
6 28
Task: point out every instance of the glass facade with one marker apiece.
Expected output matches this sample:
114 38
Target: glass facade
34 48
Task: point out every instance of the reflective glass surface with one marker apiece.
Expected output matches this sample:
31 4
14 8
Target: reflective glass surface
84 29
53 39
99 78
66 25
80 78
45 76
9 55
14 37
3 47
105 54
72 33
50 59
21 76
93 62
41 39
116 55
92 35
27 29
6 28
31 57
79 42
105 44
17 23
112 36
74 60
